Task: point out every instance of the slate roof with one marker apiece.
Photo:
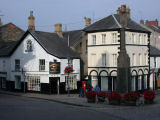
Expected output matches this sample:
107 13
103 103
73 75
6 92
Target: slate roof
74 36
154 28
51 43
154 51
112 22
54 44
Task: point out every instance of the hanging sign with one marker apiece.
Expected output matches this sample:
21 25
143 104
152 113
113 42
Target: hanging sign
54 67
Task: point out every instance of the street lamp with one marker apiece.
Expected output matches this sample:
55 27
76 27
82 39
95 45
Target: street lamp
23 73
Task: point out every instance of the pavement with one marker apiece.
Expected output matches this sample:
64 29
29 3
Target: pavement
75 100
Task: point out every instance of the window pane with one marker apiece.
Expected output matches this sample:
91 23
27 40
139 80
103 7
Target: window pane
104 83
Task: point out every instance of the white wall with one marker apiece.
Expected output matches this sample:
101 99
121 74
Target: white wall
30 61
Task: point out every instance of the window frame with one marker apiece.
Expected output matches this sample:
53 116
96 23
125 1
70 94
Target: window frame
42 64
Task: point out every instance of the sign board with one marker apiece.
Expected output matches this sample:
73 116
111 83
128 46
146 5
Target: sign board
54 67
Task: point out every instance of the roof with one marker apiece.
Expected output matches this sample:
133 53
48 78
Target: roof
154 28
112 22
154 51
74 36
50 42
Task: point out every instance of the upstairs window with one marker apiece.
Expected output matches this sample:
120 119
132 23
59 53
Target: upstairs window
114 60
93 39
17 65
133 38
103 38
133 59
104 59
29 46
42 65
114 37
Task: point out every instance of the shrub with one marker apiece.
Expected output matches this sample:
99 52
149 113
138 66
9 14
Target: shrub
114 96
91 95
132 96
149 95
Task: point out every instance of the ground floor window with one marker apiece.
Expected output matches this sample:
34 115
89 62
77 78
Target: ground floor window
3 82
17 82
139 82
104 83
33 83
133 88
114 83
94 81
145 81
71 82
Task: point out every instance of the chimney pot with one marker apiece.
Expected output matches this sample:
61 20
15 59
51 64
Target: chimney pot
31 24
58 29
87 21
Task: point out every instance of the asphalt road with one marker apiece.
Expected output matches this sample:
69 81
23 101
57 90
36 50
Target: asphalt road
22 108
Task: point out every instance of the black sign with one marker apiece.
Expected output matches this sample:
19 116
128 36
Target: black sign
54 67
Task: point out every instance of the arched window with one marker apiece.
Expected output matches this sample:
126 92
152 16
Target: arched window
29 46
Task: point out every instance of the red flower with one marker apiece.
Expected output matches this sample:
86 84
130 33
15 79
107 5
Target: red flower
150 95
68 70
132 96
114 96
101 94
91 94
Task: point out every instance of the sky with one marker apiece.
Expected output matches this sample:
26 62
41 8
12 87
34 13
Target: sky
71 13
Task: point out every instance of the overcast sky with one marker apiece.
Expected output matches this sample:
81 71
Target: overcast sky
71 13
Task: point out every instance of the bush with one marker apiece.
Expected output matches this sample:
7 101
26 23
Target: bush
149 95
114 96
91 95
132 96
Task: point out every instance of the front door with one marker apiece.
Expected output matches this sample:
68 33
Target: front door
53 81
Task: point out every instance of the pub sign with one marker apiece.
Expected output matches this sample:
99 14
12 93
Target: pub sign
54 67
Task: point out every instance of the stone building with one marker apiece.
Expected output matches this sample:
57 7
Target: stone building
107 38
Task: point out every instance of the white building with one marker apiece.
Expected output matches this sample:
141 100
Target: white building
103 47
39 60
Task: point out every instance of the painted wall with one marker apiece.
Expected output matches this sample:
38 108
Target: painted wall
29 61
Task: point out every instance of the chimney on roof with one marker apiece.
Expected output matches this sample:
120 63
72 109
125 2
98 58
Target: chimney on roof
58 29
154 22
87 21
0 22
124 13
141 21
31 24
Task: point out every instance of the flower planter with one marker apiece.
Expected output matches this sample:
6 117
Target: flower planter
114 102
91 100
147 101
101 99
131 103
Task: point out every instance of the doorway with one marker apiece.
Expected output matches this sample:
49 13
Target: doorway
54 85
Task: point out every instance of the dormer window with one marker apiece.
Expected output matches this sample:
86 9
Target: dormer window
29 46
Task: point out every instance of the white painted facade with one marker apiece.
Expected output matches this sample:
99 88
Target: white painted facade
136 43
29 61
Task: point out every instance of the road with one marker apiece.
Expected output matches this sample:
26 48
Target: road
23 108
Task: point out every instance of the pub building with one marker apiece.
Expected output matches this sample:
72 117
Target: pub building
39 59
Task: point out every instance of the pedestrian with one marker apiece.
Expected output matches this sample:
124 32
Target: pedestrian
97 89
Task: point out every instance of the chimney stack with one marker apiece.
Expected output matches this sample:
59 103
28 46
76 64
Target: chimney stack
31 24
87 21
124 13
154 22
0 22
142 22
58 29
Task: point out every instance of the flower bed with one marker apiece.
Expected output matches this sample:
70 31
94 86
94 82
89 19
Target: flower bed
148 97
131 98
91 96
101 96
114 98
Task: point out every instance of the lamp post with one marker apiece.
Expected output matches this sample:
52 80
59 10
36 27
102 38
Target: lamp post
23 73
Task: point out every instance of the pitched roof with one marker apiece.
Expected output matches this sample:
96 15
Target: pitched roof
54 44
154 28
112 22
154 51
51 43
74 36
